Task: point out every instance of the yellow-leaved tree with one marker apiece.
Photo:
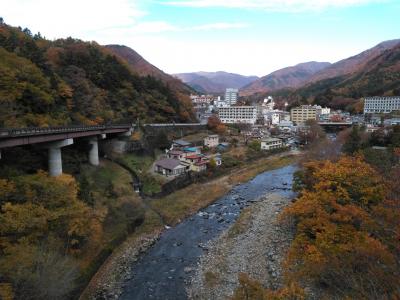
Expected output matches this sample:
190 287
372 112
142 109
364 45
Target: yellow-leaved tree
42 225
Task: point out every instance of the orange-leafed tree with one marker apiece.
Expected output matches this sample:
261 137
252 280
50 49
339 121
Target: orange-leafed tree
215 124
346 231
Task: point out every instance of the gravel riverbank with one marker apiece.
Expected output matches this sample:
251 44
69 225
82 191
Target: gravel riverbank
256 244
163 271
108 282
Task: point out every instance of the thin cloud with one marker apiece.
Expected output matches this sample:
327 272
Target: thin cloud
272 5
57 19
161 27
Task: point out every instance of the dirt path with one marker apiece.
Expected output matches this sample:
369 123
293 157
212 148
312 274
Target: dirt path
256 244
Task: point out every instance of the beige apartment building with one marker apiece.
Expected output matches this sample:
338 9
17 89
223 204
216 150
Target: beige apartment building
301 114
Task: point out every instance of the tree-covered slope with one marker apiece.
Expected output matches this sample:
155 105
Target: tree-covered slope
68 81
380 76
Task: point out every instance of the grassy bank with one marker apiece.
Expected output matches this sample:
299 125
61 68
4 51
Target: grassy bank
183 203
140 165
175 207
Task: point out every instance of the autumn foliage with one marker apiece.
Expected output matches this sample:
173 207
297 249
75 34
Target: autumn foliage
215 124
43 226
250 289
347 231
52 83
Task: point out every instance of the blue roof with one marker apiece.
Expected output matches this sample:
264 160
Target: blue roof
223 145
190 149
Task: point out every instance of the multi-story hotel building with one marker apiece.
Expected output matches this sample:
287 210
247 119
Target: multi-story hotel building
303 113
238 114
231 96
376 105
197 99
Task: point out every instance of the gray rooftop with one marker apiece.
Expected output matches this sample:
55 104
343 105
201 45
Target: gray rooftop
182 143
168 163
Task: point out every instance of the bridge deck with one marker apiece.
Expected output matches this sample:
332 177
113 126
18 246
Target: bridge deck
25 136
12 137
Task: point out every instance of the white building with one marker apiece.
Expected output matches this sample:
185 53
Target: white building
238 114
231 96
285 125
271 143
322 110
269 103
211 141
376 105
207 99
220 103
274 117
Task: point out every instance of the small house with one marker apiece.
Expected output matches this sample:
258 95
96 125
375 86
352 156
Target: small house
175 154
192 150
211 141
217 158
271 143
170 167
199 166
223 146
180 144
193 158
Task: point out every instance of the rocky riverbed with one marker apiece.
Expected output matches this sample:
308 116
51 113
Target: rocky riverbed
166 270
256 244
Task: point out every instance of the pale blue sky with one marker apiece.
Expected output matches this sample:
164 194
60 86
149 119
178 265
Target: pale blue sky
251 37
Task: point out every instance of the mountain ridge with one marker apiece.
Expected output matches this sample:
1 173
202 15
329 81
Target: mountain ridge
142 67
289 77
353 63
377 73
214 82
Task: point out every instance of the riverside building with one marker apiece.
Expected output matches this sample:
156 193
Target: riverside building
377 105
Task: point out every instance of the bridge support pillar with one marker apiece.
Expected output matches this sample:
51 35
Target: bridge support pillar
127 133
94 151
55 160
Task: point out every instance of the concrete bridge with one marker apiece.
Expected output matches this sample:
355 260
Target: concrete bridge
55 138
335 125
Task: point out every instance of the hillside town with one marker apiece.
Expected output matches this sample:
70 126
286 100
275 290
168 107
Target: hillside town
273 128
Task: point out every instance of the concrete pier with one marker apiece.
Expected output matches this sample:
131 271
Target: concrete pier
94 151
55 159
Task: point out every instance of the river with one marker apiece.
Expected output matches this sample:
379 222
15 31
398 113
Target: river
163 271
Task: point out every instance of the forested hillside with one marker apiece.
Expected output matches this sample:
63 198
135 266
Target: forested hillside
69 81
379 75
143 68
290 77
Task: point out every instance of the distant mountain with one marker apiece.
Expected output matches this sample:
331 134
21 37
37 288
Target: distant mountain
215 82
374 72
353 64
143 68
290 77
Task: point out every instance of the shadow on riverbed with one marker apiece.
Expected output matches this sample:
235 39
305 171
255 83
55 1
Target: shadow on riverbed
162 273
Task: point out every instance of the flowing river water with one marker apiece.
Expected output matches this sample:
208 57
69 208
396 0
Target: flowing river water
164 270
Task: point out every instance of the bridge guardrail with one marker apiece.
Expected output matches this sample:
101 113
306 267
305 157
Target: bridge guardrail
29 131
14 132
